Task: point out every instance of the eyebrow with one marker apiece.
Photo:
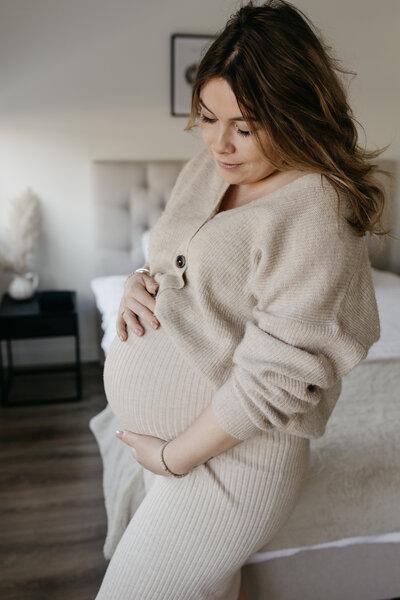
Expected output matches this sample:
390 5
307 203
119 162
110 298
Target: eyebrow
234 119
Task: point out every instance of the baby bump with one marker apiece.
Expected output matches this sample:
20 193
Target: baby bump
150 386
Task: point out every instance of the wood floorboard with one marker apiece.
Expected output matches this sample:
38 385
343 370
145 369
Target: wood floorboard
52 514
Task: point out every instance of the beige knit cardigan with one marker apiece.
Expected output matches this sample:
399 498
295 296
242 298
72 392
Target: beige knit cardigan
272 301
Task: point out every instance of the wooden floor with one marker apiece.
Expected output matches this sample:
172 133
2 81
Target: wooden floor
52 516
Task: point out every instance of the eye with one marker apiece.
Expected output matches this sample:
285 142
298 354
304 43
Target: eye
206 119
243 133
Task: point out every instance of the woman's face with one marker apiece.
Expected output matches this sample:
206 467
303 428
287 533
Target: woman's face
228 136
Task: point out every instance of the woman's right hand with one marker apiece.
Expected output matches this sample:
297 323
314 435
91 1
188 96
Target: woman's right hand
138 301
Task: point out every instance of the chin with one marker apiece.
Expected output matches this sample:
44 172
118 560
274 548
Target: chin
228 177
230 172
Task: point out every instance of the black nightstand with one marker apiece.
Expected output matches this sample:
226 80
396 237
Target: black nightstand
46 314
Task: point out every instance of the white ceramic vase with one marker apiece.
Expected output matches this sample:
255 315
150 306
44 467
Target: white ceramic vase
23 286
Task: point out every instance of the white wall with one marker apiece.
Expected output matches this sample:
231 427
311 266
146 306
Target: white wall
90 79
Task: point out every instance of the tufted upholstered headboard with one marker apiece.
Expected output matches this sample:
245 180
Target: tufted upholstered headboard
129 197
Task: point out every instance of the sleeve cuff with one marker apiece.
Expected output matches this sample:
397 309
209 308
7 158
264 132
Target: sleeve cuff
230 414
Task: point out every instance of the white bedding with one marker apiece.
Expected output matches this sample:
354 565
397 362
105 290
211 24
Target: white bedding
387 290
386 538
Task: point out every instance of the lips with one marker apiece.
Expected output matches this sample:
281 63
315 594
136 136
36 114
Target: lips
228 165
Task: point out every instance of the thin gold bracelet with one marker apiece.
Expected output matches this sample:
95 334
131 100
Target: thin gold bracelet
164 466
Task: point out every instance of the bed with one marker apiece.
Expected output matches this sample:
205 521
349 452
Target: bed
342 541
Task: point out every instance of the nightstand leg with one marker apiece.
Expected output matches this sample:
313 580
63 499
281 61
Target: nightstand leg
10 363
78 366
2 381
5 382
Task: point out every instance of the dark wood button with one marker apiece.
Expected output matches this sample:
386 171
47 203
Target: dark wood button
311 388
180 261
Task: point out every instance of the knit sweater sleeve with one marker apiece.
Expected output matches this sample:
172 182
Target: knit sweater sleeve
314 319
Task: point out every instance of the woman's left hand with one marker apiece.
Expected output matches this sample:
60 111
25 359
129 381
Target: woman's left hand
145 449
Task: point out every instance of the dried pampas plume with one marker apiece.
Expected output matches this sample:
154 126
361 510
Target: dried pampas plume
23 233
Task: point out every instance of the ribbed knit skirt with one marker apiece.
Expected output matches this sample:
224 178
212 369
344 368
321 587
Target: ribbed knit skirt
190 536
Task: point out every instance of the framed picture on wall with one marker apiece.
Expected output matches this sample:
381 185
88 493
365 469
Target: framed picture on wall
186 52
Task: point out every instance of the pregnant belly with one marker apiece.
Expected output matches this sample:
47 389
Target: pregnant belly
150 386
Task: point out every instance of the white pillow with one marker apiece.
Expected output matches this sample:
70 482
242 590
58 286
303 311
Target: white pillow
387 291
108 293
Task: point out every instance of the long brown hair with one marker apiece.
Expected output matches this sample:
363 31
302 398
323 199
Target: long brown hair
284 76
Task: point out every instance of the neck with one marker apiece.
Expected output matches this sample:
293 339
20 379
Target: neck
270 174
255 189
241 194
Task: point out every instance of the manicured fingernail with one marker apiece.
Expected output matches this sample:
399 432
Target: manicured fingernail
138 331
119 434
154 324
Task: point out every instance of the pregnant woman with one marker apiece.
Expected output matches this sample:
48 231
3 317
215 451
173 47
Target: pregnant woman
260 287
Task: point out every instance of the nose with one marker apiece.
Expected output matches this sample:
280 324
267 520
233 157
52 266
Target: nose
222 141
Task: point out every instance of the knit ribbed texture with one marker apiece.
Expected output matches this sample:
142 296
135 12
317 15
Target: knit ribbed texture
272 305
264 312
151 388
189 537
